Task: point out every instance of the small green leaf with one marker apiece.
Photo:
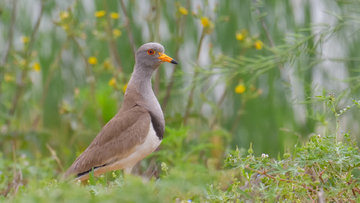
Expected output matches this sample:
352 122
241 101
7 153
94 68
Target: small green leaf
348 176
92 177
244 193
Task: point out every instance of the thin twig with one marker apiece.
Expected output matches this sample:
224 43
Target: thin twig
128 27
111 42
37 25
269 176
265 28
17 177
11 32
263 24
190 100
180 32
53 68
157 39
222 98
171 83
237 119
320 176
14 157
310 197
53 153
90 79
334 169
20 85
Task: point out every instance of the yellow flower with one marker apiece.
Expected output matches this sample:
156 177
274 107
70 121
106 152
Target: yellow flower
240 89
124 87
25 39
99 14
258 44
116 33
83 36
65 27
64 15
8 77
205 22
76 92
183 10
92 60
114 15
36 67
106 64
22 62
240 36
112 82
252 88
64 109
244 32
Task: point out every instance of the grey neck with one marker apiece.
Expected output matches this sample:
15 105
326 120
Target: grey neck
139 91
141 80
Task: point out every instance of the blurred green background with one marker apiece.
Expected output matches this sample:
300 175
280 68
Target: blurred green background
247 72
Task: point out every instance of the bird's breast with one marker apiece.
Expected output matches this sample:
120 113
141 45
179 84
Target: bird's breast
150 144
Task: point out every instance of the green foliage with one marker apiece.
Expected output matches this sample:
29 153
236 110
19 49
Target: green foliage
183 181
321 166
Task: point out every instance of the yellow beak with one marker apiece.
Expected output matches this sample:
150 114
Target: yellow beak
165 58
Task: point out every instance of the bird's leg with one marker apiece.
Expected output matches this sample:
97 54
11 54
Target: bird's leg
127 171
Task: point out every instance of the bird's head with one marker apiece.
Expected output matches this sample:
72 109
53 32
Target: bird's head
151 55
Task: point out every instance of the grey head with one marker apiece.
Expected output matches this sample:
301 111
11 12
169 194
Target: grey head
151 55
147 59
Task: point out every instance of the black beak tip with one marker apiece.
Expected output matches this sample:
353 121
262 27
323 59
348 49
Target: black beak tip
173 61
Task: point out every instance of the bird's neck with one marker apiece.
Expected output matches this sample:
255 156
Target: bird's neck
140 81
139 91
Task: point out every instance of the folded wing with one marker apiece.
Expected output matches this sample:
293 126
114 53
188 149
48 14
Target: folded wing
117 140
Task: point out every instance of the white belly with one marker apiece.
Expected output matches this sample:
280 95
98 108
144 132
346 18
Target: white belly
151 143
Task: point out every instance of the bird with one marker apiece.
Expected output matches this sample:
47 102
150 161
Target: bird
138 127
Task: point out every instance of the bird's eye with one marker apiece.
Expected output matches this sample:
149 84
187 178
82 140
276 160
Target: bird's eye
151 52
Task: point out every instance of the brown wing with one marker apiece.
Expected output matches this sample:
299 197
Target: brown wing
116 140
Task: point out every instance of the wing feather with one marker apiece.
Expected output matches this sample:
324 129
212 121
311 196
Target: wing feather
115 141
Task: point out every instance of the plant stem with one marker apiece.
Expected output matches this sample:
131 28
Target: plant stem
10 39
264 27
337 120
111 42
90 80
180 32
128 27
237 119
310 197
20 85
222 98
187 110
53 153
263 24
157 39
49 77
171 83
11 32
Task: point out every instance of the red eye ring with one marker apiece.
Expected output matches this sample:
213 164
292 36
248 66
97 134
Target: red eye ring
151 52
